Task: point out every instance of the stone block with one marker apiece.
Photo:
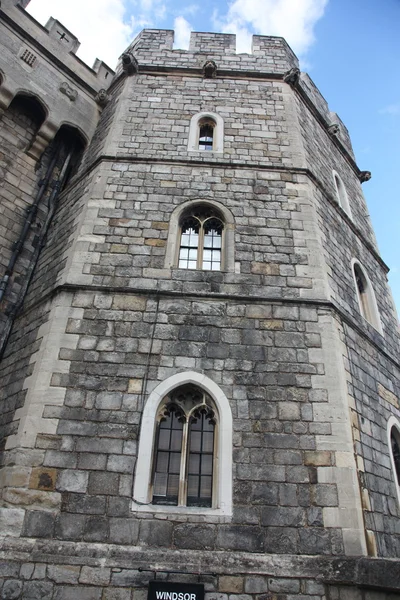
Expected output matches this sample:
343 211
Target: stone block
156 533
38 524
95 575
63 573
103 483
321 458
72 481
129 302
289 411
256 585
96 529
282 586
11 521
9 568
37 590
11 590
113 593
109 400
43 479
314 541
84 504
73 592
281 540
124 531
27 570
231 584
239 538
281 516
69 527
195 536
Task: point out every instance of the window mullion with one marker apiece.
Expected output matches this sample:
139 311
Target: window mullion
183 466
201 247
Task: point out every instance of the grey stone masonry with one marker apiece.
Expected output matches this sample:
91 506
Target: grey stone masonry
298 363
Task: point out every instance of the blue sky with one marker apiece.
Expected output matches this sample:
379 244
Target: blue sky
350 48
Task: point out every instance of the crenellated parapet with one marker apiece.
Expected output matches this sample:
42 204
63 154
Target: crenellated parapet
154 47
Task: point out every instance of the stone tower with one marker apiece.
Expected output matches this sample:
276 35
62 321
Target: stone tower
200 376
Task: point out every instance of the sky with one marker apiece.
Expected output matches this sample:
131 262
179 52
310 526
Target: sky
350 48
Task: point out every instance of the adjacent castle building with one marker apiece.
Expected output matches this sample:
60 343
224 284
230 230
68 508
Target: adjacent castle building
199 349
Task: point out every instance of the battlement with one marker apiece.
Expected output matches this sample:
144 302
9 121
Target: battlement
56 39
269 53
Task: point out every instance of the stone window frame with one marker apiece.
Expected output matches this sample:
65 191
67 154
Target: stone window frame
222 500
394 423
194 132
184 409
174 234
341 194
366 300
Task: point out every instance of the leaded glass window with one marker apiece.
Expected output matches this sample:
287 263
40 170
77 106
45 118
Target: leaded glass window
184 452
201 240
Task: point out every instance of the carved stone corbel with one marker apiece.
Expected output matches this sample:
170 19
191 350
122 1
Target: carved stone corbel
364 176
68 91
102 98
129 63
292 76
210 69
333 129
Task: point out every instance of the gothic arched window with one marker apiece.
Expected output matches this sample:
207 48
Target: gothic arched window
201 240
184 462
184 449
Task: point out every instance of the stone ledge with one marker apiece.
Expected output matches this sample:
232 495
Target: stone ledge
378 573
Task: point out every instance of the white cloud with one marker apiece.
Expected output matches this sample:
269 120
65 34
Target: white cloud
392 109
102 26
292 19
182 33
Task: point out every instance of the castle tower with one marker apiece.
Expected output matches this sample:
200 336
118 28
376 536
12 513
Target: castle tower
201 383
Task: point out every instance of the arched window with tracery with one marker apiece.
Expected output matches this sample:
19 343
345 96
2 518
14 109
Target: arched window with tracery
366 297
184 462
201 240
184 449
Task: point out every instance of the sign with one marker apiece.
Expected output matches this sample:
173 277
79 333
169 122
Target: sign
160 590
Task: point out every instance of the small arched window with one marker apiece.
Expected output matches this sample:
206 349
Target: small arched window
184 449
394 450
341 194
206 133
201 240
366 297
